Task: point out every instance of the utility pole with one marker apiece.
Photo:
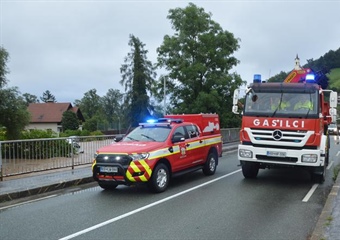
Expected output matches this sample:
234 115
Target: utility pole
164 107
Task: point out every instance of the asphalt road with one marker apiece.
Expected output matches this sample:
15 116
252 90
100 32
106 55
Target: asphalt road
279 204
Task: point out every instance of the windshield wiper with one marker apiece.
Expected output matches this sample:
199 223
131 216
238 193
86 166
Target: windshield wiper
132 138
148 137
278 106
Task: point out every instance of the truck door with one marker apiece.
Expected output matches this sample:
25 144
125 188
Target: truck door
195 145
181 159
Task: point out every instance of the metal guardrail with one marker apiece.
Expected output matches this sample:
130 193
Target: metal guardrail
35 155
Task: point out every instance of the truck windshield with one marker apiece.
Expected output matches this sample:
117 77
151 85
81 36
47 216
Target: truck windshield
148 134
272 104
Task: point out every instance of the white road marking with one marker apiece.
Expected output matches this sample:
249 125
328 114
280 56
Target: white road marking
337 154
330 165
310 193
31 201
144 208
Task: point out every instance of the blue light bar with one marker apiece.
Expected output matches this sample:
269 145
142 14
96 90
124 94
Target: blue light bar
257 78
310 78
151 121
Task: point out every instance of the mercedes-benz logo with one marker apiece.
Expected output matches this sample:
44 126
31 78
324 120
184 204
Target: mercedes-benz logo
277 135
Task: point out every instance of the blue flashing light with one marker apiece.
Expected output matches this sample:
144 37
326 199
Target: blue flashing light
310 78
257 78
151 121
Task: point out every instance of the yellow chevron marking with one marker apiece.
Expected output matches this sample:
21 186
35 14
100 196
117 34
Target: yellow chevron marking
134 167
146 167
129 176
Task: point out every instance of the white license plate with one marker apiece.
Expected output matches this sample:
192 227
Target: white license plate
276 154
109 169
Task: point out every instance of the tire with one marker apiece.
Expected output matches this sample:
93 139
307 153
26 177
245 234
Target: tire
108 185
160 178
210 165
250 169
318 177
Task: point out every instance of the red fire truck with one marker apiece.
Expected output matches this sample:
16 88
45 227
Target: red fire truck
276 133
160 149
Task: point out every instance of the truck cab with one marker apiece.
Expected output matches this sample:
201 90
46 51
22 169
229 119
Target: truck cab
285 125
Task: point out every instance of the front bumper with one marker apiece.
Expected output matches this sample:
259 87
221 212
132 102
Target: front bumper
279 156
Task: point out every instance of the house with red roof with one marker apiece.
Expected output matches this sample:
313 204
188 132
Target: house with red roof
48 116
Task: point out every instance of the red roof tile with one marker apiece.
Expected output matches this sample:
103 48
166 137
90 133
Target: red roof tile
48 112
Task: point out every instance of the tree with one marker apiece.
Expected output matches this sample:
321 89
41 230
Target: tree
29 98
3 66
13 112
90 104
278 77
112 103
198 57
138 77
69 121
48 97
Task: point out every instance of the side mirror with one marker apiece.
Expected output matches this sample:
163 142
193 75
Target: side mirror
235 109
236 96
333 99
118 139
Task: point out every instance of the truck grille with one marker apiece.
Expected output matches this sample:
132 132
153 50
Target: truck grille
275 137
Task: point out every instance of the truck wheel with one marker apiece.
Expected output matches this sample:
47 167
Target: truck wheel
210 165
249 169
319 177
160 177
108 185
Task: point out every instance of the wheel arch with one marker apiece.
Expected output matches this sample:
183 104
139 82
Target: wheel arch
215 152
167 163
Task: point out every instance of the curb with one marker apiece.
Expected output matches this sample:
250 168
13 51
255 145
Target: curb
321 225
44 189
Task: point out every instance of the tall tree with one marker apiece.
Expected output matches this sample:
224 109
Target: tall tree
3 66
48 97
198 58
13 110
138 77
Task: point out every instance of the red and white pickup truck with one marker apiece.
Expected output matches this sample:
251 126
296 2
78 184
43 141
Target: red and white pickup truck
156 151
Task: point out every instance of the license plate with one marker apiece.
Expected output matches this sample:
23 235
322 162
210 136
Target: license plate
109 169
276 154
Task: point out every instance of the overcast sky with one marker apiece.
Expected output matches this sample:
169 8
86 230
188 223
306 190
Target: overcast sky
70 47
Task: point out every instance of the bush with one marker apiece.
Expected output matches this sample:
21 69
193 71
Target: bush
37 133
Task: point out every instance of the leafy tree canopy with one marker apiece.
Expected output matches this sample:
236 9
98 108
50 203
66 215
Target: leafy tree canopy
69 121
13 112
30 98
198 58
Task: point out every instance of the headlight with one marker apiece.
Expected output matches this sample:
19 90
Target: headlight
245 153
139 156
309 158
